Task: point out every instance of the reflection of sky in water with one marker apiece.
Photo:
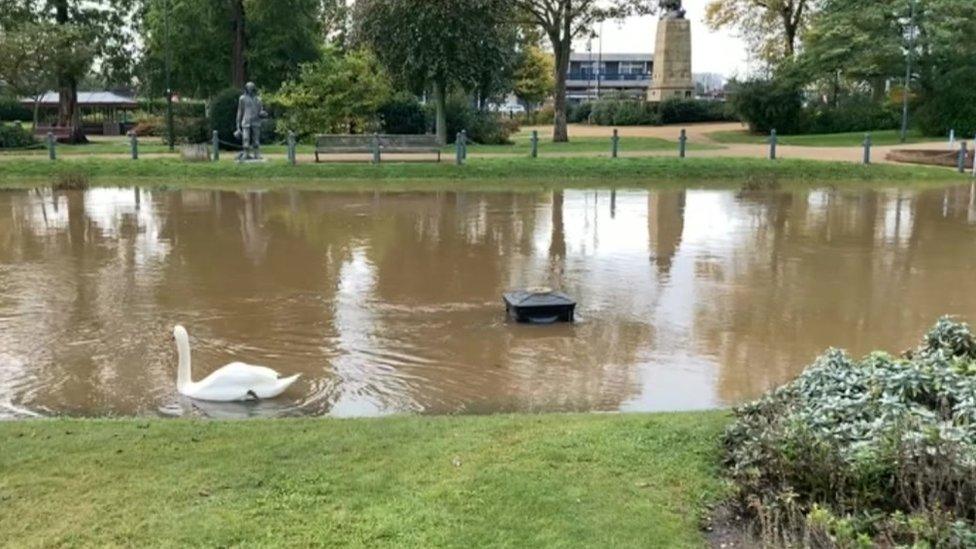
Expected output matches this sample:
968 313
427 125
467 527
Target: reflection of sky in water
390 303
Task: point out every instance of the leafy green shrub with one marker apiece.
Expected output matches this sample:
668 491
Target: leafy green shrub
11 110
14 136
882 448
580 112
766 105
403 114
483 127
681 111
223 115
623 112
186 108
950 104
851 114
185 129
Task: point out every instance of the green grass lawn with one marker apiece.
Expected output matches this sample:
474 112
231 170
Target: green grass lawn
503 481
853 139
503 173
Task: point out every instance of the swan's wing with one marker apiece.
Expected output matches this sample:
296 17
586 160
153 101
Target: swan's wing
238 374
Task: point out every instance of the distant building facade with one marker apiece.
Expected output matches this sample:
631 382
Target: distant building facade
593 75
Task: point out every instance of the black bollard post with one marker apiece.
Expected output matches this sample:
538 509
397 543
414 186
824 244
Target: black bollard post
614 144
458 155
867 148
134 144
535 143
215 138
682 143
464 144
51 144
772 145
961 160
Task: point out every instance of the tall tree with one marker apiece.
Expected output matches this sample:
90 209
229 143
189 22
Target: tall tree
430 45
534 79
771 27
33 55
238 59
261 40
860 41
563 21
99 27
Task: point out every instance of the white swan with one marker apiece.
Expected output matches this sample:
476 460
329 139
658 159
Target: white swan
235 381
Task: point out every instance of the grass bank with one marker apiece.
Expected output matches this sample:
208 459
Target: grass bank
516 481
851 139
478 173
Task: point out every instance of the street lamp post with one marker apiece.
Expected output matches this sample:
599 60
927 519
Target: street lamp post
169 88
908 73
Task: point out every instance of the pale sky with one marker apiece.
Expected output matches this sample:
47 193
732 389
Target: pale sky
719 52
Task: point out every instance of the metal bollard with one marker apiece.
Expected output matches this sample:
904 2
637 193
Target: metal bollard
134 145
867 148
682 144
963 155
614 144
535 144
292 157
376 149
464 144
772 145
216 145
458 152
51 144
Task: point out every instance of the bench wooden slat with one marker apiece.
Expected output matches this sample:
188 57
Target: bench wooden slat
365 144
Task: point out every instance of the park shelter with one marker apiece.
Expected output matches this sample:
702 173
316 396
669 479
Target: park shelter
102 112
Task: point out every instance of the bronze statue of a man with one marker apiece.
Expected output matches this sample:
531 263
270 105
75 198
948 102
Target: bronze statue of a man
250 113
671 9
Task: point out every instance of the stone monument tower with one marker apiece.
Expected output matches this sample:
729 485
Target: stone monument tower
672 55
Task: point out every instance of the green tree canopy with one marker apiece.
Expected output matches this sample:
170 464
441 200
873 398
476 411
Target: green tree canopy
534 80
430 45
337 93
280 35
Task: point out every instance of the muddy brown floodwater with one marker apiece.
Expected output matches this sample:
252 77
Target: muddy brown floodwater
391 302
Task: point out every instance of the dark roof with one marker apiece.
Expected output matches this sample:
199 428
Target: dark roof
96 98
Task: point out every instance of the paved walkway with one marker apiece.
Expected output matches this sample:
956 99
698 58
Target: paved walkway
697 133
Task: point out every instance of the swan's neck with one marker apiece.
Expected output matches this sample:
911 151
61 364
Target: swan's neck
183 372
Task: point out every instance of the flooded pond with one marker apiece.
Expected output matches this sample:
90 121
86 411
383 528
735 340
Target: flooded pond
391 302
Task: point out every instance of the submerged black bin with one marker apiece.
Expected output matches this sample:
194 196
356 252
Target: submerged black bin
539 306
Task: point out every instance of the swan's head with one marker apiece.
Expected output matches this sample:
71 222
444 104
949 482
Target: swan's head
179 334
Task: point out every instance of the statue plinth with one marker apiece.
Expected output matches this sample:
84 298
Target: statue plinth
672 61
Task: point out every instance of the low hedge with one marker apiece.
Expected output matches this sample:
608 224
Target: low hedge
878 451
14 136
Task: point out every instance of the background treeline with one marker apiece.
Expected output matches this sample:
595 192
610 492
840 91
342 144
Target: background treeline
840 65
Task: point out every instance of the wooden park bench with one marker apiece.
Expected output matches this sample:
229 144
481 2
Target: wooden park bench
60 133
376 145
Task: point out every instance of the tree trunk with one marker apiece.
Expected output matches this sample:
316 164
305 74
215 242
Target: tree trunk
561 49
440 104
68 114
238 62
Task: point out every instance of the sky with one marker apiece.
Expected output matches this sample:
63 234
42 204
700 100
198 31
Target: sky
711 51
